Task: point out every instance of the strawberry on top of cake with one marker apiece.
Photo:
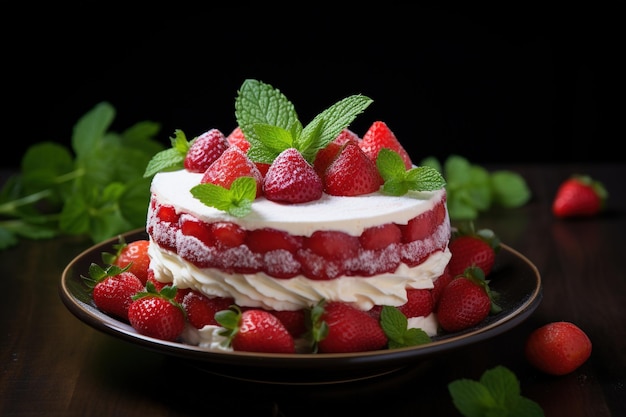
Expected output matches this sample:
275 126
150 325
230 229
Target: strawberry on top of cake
281 217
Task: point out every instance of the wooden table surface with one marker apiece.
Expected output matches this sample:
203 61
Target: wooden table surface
54 364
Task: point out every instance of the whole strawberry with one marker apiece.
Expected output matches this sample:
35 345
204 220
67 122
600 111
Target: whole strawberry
579 196
201 309
134 254
352 173
557 348
255 330
233 163
470 247
291 179
113 289
204 150
156 314
379 136
465 301
339 327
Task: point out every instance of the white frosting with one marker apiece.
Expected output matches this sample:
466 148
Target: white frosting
348 214
261 290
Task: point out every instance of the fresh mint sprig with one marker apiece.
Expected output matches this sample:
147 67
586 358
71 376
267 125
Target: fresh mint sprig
95 189
399 180
170 159
472 190
236 201
270 123
394 324
497 393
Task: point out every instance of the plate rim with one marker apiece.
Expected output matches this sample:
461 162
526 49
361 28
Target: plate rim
386 358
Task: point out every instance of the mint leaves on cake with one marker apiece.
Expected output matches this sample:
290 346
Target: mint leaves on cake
323 157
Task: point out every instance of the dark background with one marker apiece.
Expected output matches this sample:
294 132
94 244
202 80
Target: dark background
496 86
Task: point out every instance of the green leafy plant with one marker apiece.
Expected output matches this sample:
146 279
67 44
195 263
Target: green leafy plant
472 189
496 394
98 190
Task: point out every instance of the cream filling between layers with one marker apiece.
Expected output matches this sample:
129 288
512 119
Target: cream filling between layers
261 290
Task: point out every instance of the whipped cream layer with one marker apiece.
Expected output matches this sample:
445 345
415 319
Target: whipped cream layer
351 215
261 290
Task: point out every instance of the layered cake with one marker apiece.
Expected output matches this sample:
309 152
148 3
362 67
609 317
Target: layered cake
365 249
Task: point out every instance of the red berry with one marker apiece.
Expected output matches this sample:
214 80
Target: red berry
157 317
380 237
204 150
113 294
327 155
462 304
237 138
350 330
557 348
579 196
379 136
232 164
419 303
135 254
352 173
201 309
291 179
467 251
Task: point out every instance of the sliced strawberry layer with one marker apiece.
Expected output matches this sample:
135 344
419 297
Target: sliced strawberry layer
324 255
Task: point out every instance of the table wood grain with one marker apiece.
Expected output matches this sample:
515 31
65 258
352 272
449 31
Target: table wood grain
52 364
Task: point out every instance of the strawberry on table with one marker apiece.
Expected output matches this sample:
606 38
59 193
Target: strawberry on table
255 330
113 288
470 247
156 314
466 301
557 348
579 196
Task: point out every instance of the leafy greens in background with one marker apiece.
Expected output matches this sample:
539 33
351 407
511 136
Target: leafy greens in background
98 190
471 189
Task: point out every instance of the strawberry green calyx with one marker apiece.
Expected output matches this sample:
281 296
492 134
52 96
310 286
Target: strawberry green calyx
477 276
468 228
270 123
596 185
168 293
97 273
229 320
399 180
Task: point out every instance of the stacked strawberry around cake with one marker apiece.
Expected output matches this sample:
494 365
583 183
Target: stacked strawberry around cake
318 229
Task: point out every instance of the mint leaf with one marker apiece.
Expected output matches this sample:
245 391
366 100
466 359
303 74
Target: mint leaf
259 106
399 180
471 189
236 201
496 394
171 159
509 189
394 324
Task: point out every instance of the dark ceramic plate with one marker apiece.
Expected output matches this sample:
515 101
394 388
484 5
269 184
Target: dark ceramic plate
514 277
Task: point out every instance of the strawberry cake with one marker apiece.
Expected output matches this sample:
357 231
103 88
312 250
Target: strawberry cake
341 220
